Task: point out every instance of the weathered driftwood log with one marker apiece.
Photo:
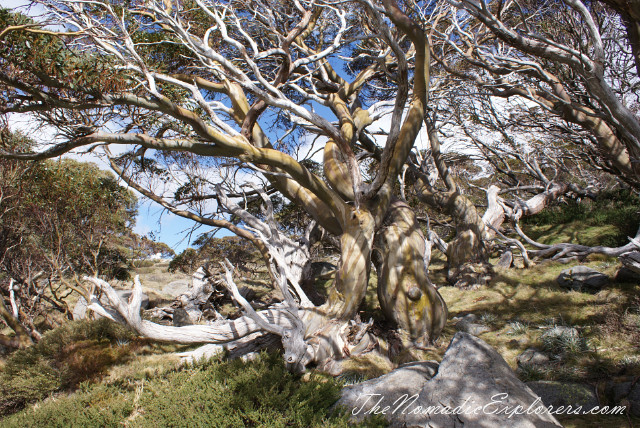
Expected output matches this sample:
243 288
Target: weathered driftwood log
197 296
498 210
216 332
308 334
200 302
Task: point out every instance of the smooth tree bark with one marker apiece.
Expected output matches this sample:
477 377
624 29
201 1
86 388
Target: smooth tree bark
228 69
469 247
308 334
405 292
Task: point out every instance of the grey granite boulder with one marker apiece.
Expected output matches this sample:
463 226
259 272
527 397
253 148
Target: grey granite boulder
634 400
176 288
532 356
625 394
385 390
624 274
474 387
582 278
618 391
469 325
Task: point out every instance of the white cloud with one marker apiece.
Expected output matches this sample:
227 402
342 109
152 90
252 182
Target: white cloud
24 6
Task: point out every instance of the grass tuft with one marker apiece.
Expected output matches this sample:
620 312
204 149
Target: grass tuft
562 342
518 327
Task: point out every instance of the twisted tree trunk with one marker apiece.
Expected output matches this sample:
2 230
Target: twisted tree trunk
323 335
405 292
342 201
352 276
467 253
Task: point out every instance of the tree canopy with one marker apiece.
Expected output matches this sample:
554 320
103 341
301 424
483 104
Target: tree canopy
217 105
60 220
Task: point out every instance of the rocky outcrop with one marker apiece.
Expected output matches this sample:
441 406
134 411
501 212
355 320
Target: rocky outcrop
473 386
176 288
625 393
532 357
385 390
469 324
624 274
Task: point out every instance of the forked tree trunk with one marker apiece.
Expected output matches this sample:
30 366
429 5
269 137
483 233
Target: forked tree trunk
326 334
405 293
468 248
309 334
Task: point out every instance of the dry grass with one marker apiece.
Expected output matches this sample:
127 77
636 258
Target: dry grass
609 321
154 278
367 366
141 367
532 297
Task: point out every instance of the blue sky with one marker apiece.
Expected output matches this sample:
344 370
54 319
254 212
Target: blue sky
166 227
152 220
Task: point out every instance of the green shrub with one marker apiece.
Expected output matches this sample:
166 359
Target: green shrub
141 263
62 359
101 406
238 394
210 249
619 208
259 393
186 262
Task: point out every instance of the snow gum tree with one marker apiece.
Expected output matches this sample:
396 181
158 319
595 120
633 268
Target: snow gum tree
194 94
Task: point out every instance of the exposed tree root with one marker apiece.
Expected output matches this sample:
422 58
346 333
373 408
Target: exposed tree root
321 341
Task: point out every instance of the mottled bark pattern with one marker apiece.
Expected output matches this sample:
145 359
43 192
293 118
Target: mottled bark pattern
404 290
468 246
352 276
